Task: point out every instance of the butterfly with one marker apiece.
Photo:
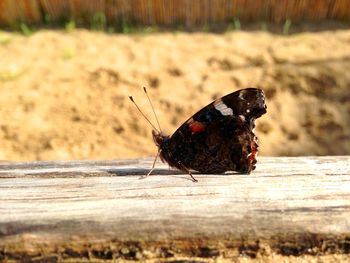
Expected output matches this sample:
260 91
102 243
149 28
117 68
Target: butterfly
218 138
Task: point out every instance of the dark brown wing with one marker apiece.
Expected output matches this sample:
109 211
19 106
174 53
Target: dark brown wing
220 136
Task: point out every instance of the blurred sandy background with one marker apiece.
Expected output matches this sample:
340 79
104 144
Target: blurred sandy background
64 95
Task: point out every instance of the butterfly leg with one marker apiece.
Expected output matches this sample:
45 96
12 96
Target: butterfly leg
154 163
188 171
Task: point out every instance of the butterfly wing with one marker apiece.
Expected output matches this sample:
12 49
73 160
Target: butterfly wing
220 136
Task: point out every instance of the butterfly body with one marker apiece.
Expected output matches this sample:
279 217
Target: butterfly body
218 138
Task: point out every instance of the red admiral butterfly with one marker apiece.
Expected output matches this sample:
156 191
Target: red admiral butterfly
216 139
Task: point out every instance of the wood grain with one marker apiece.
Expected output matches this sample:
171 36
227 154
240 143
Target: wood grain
293 206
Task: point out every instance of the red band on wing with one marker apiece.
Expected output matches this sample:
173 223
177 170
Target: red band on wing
253 153
196 126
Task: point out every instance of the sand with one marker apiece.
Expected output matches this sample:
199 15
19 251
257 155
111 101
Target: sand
64 95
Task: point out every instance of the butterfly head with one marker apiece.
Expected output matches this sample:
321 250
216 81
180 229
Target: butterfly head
159 138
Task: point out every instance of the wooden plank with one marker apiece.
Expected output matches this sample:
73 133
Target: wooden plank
100 209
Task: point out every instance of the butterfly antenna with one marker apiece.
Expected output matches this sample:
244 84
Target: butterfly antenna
132 99
154 112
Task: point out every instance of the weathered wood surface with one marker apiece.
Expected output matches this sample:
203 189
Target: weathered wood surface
102 210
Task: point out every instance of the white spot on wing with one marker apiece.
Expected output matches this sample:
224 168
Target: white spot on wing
241 94
222 107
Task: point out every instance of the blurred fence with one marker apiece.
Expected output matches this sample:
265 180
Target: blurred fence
171 12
